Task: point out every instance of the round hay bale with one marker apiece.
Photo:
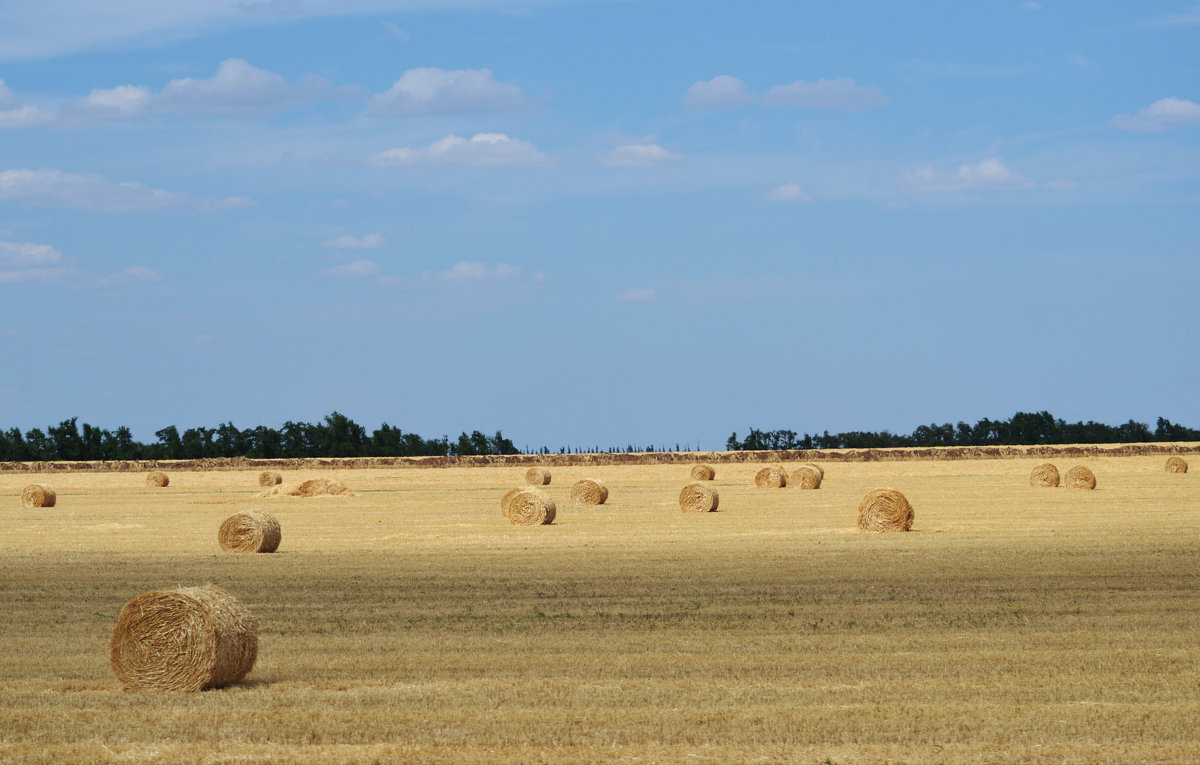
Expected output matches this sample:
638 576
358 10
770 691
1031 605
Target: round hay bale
250 532
817 468
885 510
698 497
157 479
531 507
1044 475
1079 477
536 476
1176 465
589 491
770 477
506 500
806 477
269 478
703 473
36 495
183 640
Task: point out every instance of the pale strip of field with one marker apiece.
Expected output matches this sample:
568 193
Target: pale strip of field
413 622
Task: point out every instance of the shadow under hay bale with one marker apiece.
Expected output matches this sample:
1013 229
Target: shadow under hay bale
269 478
531 507
698 497
1176 465
314 487
1079 477
184 640
157 479
806 477
36 495
589 491
770 477
885 510
536 476
1044 475
703 473
250 532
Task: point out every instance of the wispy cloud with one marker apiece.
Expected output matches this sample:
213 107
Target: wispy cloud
1163 114
349 242
29 262
481 150
430 90
361 267
788 192
638 155
728 92
636 295
988 175
86 191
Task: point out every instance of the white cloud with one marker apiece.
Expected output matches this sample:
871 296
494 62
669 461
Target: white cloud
988 175
636 295
788 192
638 155
121 101
727 92
396 31
481 150
26 117
8 99
472 272
1164 114
430 90
348 242
85 191
28 262
236 89
362 267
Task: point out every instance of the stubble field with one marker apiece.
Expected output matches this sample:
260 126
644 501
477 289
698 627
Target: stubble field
413 623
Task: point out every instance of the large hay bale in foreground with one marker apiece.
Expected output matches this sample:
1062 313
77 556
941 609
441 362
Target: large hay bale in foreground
531 507
806 477
184 640
885 510
1079 477
157 479
770 477
36 495
536 476
589 491
1176 465
698 497
703 473
269 478
1044 475
250 532
506 500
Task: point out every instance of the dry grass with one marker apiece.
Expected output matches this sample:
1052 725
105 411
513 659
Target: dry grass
414 623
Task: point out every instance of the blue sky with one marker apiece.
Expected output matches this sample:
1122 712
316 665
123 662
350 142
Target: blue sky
598 223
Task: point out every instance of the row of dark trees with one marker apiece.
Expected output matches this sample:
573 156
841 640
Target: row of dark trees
1023 428
335 436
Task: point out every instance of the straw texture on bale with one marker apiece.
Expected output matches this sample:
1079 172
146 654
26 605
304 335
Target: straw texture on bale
1044 475
36 495
157 479
314 487
770 477
531 507
269 478
506 500
1176 465
250 532
806 477
183 640
1080 477
589 491
885 510
698 497
703 473
536 476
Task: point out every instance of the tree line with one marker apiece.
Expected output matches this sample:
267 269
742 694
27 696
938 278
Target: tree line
334 436
1024 428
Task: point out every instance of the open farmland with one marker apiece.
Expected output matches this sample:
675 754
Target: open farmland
413 622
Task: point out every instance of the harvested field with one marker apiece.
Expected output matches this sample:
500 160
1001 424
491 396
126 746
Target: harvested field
414 622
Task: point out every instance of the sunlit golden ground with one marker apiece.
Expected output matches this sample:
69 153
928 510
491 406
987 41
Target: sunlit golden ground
412 622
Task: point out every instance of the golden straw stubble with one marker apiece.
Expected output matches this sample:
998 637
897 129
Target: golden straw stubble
885 510
1079 477
269 478
183 640
703 473
536 476
157 479
1044 475
698 497
1176 465
770 477
589 491
37 495
250 532
806 477
530 507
